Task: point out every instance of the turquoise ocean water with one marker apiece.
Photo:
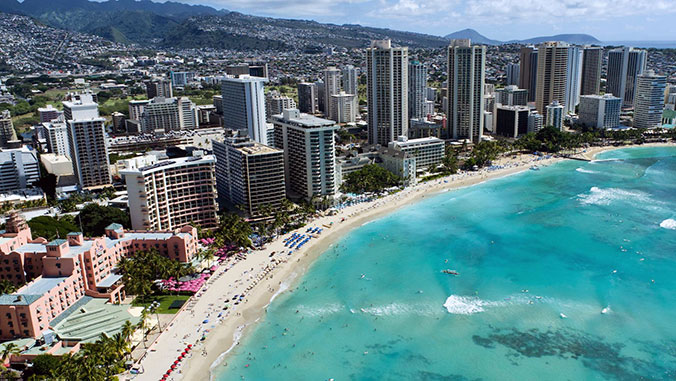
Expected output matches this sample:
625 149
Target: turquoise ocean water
582 238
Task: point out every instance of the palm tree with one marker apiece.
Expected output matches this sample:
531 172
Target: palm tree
143 325
128 330
8 350
6 287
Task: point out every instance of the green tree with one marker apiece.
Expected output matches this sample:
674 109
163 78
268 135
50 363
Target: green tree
370 178
6 287
44 365
50 227
233 229
94 219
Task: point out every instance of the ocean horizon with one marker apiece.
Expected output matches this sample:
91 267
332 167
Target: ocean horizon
564 273
643 44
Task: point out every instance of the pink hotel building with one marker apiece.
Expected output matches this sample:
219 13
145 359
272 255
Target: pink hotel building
61 272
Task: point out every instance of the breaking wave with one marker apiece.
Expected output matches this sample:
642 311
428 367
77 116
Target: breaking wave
582 170
669 223
601 196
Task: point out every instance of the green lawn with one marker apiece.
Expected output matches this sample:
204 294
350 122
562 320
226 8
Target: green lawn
165 302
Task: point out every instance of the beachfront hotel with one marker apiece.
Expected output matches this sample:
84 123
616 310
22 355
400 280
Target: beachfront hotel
427 151
62 272
249 174
170 194
309 154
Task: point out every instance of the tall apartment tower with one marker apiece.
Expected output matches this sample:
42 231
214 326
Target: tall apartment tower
350 80
162 115
275 103
309 154
244 106
387 92
307 98
649 100
7 132
417 85
511 96
466 79
512 71
528 67
554 115
331 87
170 194
591 70
573 79
624 66
552 75
344 107
87 141
159 88
56 134
249 175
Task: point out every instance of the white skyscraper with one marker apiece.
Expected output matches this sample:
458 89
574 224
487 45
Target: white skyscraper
350 80
87 141
573 79
244 106
600 111
554 116
417 85
624 67
309 154
387 92
649 100
331 87
466 79
56 134
344 107
512 74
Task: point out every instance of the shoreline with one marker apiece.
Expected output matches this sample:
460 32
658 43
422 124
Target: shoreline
268 283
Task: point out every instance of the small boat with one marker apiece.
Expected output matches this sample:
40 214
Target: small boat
451 272
534 168
563 316
605 310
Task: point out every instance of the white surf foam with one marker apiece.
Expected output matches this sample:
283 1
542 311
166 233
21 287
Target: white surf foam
464 305
328 309
669 223
605 196
582 170
396 309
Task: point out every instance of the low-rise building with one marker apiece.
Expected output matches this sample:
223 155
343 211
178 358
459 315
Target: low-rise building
600 111
511 121
427 151
62 272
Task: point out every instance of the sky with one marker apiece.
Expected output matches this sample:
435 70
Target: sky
607 20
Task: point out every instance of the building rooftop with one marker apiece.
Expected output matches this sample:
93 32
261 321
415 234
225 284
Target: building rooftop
170 164
89 320
57 242
257 149
292 116
31 292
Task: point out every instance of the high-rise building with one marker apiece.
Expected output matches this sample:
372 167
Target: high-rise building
512 71
87 141
331 87
344 107
162 115
466 78
275 103
670 97
136 108
417 84
649 100
511 121
187 112
309 154
511 96
431 94
181 78
573 79
56 134
252 68
244 106
249 175
307 98
554 115
557 75
624 66
535 121
350 80
48 113
19 169
159 88
170 194
320 95
387 92
592 60
528 67
7 132
600 111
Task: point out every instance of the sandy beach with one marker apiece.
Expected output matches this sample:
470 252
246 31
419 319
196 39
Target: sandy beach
262 275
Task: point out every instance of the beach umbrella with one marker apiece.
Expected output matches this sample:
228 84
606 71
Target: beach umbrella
205 321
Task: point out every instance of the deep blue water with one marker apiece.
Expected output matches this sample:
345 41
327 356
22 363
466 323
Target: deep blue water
581 238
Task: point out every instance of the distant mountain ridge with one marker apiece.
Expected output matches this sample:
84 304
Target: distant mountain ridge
481 39
177 25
